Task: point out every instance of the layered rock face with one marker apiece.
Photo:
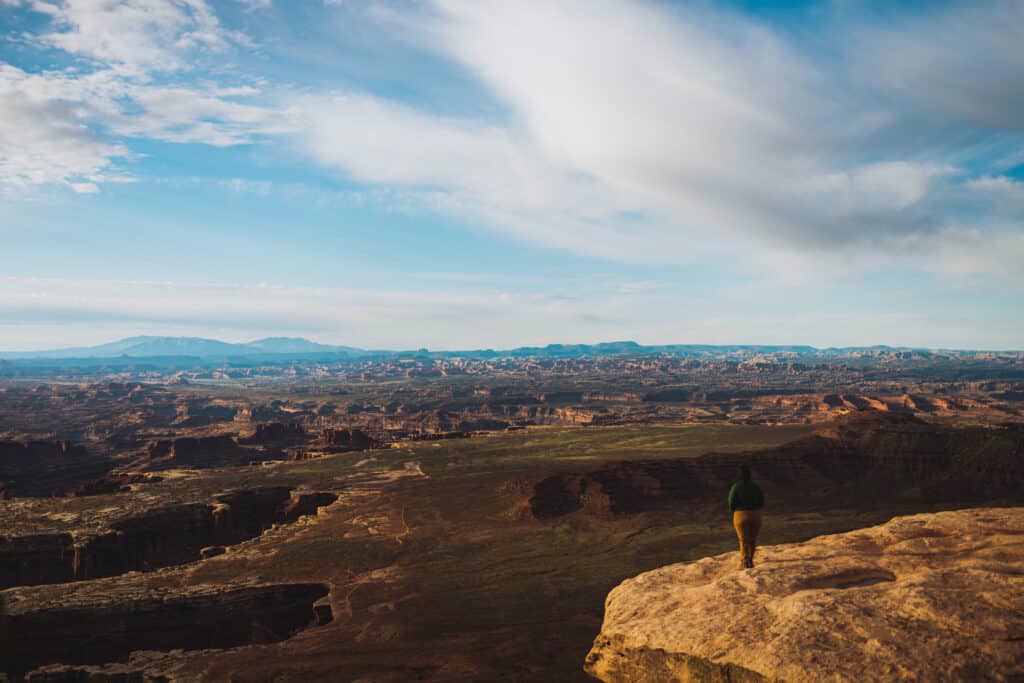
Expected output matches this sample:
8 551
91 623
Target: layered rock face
205 617
934 597
44 468
867 458
274 432
160 537
347 439
206 451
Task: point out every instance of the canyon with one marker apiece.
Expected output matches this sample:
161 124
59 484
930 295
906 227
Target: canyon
448 525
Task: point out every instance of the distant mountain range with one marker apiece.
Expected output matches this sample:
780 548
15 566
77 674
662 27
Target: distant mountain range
283 348
150 347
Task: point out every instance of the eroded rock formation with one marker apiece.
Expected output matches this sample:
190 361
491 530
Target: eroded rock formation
202 618
161 537
934 597
47 468
275 432
206 451
347 439
869 456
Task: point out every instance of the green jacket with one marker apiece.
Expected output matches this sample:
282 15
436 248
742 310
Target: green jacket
745 495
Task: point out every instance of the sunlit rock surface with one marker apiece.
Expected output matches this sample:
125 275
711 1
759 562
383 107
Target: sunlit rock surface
932 597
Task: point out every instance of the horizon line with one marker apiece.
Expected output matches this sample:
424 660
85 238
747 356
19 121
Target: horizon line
498 349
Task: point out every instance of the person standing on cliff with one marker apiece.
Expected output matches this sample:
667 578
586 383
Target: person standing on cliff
745 502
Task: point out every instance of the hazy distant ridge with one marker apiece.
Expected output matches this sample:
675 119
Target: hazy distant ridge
282 347
150 347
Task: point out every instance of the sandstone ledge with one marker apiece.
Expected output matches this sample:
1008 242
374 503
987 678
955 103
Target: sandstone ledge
933 597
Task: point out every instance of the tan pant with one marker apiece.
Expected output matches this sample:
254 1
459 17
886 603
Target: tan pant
748 524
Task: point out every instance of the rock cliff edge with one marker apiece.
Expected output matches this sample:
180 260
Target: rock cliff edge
933 597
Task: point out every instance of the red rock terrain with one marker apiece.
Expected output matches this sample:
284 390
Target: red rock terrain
936 597
441 520
152 538
44 468
866 457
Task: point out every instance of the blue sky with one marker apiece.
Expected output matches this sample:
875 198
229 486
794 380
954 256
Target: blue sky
490 174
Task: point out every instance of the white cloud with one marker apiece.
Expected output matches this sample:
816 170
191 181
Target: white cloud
641 133
960 62
196 115
409 148
59 127
458 166
967 251
1000 189
42 138
893 185
137 36
71 126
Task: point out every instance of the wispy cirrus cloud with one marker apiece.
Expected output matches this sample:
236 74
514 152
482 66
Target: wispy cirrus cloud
74 126
652 134
65 128
42 139
136 36
907 54
639 132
